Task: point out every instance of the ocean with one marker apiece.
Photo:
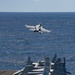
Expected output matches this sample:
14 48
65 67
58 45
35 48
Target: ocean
17 42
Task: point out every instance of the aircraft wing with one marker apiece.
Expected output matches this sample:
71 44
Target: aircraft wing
45 30
30 27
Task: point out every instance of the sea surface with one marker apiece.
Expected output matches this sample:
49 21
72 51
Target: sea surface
17 42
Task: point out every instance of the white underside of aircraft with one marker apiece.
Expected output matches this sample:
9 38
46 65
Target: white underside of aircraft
37 28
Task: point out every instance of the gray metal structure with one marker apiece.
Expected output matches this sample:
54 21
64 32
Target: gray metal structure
46 67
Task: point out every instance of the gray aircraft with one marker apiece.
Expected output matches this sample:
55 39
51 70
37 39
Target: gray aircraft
37 28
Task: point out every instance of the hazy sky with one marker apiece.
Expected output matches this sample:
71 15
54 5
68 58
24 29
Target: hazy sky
37 5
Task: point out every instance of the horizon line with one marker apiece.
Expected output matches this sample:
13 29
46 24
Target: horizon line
32 12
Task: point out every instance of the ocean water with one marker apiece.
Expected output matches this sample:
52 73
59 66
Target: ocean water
17 42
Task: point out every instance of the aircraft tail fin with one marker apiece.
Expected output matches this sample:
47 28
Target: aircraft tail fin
54 58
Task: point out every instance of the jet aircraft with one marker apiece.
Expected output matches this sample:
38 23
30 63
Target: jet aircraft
37 28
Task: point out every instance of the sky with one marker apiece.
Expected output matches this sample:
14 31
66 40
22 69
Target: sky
37 5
